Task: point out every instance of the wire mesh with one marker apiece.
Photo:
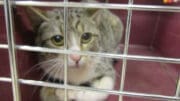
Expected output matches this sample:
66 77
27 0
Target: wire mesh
11 46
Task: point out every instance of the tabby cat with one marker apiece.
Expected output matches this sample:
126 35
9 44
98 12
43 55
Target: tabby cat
96 30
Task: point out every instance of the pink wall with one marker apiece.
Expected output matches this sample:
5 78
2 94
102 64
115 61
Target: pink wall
168 35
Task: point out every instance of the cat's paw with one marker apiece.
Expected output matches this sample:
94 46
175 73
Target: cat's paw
90 96
48 94
78 95
71 95
60 94
103 83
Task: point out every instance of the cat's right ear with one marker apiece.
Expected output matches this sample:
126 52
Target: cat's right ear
36 16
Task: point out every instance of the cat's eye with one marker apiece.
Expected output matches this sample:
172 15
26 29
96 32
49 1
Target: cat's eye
57 40
86 37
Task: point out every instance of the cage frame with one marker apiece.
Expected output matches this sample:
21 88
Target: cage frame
12 47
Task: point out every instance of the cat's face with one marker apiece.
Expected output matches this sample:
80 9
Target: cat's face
87 30
82 35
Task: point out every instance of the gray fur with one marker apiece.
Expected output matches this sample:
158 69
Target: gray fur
106 27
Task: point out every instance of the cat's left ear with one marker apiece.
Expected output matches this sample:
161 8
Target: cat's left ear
36 16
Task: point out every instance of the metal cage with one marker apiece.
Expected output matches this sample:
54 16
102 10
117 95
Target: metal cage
129 7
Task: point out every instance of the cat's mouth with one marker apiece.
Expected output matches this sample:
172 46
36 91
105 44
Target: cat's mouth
77 65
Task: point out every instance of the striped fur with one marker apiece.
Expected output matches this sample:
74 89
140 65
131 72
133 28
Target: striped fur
106 29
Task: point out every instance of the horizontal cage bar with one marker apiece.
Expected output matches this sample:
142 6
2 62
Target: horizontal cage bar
125 93
99 5
107 55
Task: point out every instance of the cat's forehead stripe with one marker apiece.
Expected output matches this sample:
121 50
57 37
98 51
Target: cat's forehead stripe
61 29
77 23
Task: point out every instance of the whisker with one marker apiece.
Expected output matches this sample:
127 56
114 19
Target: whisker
54 66
34 90
45 73
55 72
48 71
36 66
43 76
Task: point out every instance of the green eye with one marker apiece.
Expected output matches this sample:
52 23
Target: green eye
57 40
86 37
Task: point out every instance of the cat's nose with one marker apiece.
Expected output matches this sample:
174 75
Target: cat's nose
76 58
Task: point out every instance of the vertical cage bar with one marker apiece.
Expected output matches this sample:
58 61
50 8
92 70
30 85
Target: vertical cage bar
178 87
11 50
127 37
65 48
